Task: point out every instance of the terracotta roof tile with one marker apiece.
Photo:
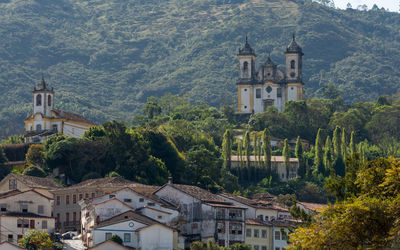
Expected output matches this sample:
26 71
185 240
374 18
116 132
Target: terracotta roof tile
113 182
257 222
71 116
199 193
128 215
313 206
36 182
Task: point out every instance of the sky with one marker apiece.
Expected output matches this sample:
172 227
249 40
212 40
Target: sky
392 5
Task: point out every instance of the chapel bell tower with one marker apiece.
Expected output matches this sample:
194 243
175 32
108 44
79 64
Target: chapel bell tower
43 101
247 59
294 64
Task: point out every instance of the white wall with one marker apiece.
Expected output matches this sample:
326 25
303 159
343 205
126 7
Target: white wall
31 199
245 100
99 234
279 243
74 130
292 93
258 102
109 209
156 237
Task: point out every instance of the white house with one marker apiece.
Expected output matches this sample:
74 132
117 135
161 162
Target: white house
136 231
280 234
21 211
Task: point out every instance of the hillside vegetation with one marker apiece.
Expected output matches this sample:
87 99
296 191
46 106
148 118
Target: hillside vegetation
106 57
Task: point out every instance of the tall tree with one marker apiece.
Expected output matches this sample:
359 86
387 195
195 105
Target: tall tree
343 145
286 156
227 149
336 142
318 158
299 154
266 145
240 152
328 151
352 144
247 148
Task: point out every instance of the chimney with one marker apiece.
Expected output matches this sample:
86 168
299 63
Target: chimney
170 180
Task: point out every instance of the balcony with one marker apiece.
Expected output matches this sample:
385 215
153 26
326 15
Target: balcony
230 218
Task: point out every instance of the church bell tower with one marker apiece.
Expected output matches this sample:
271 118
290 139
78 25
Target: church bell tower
43 101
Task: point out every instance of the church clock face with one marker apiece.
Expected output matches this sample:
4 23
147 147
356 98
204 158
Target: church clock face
268 89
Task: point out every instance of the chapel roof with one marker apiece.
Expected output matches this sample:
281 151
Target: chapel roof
71 116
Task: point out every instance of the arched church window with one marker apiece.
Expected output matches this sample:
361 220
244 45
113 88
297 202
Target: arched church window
292 64
49 100
39 100
39 127
245 66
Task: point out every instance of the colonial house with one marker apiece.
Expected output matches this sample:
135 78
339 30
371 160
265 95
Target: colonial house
46 121
67 210
25 182
137 231
24 210
258 234
141 200
280 231
277 163
205 216
263 210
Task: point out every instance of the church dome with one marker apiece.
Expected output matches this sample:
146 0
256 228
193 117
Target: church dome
246 49
293 47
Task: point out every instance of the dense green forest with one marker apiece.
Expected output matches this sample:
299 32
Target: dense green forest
106 57
193 143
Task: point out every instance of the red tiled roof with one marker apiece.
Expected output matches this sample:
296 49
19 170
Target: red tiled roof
112 182
36 182
257 222
199 193
71 116
313 206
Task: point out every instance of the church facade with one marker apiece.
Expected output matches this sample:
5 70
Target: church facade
269 85
46 121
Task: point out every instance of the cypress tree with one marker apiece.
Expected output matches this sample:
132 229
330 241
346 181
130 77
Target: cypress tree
328 151
286 157
266 145
227 149
299 154
247 148
259 153
318 158
343 145
240 151
336 142
352 144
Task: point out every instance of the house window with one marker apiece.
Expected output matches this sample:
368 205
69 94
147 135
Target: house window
256 233
159 216
258 93
80 196
283 235
55 127
127 200
67 218
264 233
108 236
10 238
141 200
277 248
3 207
32 224
277 235
111 196
221 227
74 217
12 184
248 232
86 195
279 92
40 209
44 224
235 228
264 248
19 223
74 199
19 236
233 213
58 218
127 237
49 100
39 100
256 247
151 204
38 127
67 200
292 64
58 201
26 224
260 217
24 208
92 195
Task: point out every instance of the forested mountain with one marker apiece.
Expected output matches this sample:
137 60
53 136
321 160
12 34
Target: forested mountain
105 57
